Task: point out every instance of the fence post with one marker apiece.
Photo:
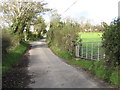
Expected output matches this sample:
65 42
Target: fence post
82 50
86 50
92 52
98 50
77 50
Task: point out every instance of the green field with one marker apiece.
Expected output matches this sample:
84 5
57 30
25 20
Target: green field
90 37
91 40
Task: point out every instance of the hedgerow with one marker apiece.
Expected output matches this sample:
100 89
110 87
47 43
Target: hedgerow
63 35
111 43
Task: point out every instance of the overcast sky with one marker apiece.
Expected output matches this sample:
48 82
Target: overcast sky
95 11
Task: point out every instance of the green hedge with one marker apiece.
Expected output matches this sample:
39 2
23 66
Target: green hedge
111 42
63 35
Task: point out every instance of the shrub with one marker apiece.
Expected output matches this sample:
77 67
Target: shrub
111 42
114 78
6 43
9 41
100 70
63 35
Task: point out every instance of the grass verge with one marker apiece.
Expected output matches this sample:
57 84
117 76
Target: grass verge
109 74
13 57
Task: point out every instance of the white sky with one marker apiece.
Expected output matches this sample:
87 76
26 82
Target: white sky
94 10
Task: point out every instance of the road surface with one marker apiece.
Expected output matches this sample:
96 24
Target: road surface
49 71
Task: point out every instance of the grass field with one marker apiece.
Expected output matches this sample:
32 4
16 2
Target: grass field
90 37
91 40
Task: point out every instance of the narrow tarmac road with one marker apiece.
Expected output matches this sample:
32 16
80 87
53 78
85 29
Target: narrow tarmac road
49 71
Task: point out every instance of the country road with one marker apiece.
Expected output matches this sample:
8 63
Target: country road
49 71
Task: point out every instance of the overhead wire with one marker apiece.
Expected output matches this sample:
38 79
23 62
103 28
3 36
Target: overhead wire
70 6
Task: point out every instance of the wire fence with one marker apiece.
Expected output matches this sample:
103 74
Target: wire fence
90 50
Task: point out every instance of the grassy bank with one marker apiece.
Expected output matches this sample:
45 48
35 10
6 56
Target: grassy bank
109 74
13 57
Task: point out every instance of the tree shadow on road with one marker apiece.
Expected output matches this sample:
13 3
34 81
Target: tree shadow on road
43 45
18 76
